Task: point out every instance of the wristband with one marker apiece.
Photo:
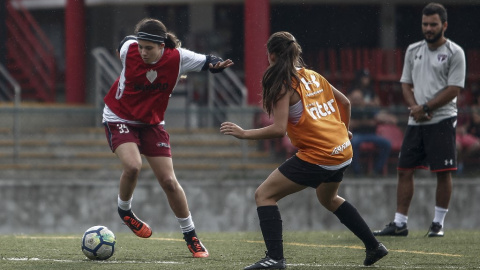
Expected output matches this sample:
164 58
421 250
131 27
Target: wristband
426 108
212 59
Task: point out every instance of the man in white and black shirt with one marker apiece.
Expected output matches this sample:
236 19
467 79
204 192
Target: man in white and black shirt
433 75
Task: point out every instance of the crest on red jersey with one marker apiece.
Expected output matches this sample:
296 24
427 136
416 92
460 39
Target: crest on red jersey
151 75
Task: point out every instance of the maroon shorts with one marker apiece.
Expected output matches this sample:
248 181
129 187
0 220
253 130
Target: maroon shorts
152 140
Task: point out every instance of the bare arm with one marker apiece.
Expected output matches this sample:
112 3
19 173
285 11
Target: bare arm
416 110
344 107
407 90
444 97
275 130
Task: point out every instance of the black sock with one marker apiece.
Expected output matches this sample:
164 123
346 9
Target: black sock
271 226
124 213
349 216
189 235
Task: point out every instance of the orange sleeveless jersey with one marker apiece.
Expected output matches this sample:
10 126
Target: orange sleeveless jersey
320 135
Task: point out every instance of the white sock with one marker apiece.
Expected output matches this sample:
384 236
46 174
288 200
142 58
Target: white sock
440 214
186 224
125 205
400 219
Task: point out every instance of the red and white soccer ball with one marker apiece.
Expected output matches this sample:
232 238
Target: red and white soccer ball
98 243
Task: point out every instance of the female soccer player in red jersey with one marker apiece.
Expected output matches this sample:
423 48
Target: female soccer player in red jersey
134 118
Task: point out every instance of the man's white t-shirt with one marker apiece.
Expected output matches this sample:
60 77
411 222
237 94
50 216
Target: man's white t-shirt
430 72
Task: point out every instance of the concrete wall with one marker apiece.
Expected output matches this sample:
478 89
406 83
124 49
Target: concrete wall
73 206
35 118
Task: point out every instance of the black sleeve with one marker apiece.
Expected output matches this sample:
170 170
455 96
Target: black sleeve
125 39
212 59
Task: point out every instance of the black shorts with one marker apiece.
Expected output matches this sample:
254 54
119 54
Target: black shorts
308 174
430 146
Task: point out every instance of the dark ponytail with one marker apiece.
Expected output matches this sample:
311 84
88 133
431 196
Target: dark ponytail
172 41
281 76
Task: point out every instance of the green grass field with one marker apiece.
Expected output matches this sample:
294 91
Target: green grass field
303 250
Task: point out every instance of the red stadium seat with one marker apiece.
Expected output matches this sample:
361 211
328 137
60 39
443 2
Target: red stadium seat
394 134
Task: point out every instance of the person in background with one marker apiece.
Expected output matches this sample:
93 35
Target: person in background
134 119
363 125
316 118
363 82
468 144
433 75
474 123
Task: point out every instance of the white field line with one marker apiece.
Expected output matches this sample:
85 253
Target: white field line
88 261
250 241
303 265
340 266
362 248
356 266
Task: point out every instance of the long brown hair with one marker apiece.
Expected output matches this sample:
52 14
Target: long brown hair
281 76
156 27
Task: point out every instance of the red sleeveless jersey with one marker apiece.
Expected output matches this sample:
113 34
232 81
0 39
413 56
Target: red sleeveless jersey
142 91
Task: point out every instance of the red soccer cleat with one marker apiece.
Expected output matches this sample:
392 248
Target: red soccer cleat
138 227
197 248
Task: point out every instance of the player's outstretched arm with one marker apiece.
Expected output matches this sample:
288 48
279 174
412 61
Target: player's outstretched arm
216 64
276 130
229 128
221 65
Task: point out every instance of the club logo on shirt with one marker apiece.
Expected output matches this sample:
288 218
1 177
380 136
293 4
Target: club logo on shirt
162 144
151 75
441 57
337 150
313 81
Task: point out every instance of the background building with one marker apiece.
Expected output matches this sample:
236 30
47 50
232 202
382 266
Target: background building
219 26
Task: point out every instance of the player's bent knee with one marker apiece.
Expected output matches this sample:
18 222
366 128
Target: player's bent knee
169 184
262 199
132 170
328 204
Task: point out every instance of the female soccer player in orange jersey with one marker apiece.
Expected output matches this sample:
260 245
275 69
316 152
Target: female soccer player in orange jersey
315 117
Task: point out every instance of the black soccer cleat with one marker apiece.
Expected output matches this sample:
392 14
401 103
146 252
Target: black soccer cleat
392 230
268 263
435 230
373 255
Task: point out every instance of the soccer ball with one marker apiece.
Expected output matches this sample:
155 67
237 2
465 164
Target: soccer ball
98 243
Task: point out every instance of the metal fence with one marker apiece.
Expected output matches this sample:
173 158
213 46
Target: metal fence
226 91
10 91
